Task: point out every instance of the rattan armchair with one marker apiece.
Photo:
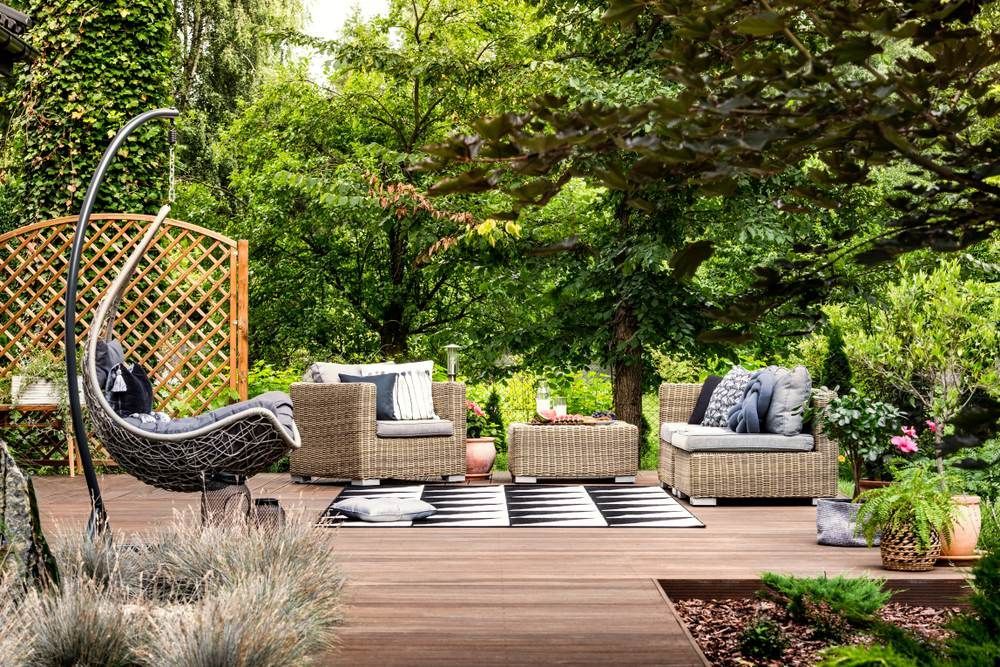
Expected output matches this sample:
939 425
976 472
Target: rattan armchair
706 476
339 440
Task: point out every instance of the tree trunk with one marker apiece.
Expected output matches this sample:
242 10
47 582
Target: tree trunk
626 367
393 335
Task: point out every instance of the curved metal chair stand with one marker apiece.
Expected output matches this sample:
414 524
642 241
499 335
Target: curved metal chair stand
244 443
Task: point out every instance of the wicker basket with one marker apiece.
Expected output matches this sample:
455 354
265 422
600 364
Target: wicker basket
901 551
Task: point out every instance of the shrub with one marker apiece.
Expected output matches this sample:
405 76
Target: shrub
15 634
862 428
865 656
917 500
763 639
81 623
836 373
856 599
187 595
494 420
976 639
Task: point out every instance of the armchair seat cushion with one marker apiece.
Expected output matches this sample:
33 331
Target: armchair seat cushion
698 438
414 428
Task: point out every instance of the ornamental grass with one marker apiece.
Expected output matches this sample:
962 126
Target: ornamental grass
185 595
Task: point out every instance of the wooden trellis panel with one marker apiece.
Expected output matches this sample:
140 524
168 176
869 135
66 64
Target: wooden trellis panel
184 316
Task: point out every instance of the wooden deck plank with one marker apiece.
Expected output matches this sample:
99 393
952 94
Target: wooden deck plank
508 596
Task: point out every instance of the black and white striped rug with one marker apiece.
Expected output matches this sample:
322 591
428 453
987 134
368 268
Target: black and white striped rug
528 506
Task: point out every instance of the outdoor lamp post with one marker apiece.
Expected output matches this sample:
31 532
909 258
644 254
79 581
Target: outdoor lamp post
451 353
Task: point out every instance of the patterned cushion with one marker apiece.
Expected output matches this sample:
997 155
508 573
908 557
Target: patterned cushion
726 395
384 509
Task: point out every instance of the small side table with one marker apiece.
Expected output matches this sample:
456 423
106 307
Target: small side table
573 452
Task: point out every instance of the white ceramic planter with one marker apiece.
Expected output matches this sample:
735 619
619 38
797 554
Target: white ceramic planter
29 391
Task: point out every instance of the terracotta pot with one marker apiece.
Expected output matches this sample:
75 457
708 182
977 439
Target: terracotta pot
866 484
964 528
480 453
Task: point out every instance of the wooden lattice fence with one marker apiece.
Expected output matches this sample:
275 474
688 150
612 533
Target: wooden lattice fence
184 316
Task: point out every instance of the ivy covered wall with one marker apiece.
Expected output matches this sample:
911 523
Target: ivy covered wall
99 63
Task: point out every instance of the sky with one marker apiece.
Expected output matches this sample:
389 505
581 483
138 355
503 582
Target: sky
327 16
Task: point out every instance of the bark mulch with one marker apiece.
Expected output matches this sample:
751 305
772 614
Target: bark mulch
717 625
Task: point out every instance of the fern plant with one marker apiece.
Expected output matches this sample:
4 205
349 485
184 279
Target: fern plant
918 500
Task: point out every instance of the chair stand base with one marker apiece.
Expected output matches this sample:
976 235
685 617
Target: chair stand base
301 479
703 502
524 479
365 482
625 479
453 478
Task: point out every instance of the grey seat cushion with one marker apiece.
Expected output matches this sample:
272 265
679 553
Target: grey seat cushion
414 428
698 438
277 402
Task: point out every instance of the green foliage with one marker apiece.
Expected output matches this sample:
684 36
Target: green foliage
865 656
763 639
674 368
856 599
495 424
263 377
917 500
750 91
937 337
976 639
862 427
80 89
836 372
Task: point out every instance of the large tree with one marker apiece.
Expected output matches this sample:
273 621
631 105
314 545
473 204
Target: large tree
326 197
846 88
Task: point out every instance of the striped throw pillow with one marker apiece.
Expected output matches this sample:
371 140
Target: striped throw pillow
412 397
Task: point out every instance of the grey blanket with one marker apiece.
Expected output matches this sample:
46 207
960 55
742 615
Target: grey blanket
748 415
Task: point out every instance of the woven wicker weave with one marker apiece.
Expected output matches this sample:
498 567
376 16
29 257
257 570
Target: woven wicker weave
901 551
244 443
744 474
337 425
610 450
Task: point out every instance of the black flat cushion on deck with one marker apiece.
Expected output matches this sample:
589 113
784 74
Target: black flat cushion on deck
385 386
711 382
278 402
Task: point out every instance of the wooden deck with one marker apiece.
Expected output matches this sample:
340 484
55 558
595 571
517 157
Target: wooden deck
507 596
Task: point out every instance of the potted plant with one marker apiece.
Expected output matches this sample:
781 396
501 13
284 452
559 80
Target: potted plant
40 380
938 341
913 515
480 450
862 429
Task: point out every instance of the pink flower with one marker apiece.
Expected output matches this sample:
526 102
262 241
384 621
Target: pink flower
472 407
932 425
904 443
909 431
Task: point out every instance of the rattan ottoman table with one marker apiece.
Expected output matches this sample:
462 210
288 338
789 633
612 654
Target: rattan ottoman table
573 452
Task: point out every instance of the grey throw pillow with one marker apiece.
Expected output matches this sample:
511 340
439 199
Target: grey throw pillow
384 509
729 392
385 385
792 390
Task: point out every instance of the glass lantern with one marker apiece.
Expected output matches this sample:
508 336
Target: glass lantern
451 357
